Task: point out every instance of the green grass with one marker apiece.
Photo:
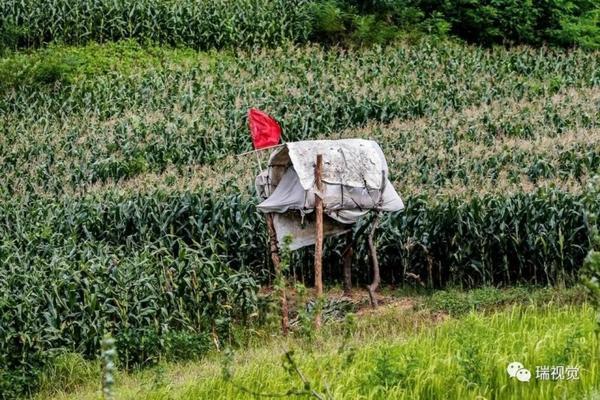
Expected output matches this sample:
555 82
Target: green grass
66 65
398 353
456 302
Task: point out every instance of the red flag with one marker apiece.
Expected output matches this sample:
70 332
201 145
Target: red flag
265 131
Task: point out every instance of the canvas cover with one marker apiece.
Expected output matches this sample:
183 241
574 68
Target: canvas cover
355 181
301 228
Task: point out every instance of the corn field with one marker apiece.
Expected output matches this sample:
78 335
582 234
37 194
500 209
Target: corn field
200 24
123 208
112 126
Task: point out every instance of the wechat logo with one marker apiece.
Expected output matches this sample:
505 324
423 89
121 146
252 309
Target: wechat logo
517 370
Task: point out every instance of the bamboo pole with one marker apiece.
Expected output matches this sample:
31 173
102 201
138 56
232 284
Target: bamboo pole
277 264
319 239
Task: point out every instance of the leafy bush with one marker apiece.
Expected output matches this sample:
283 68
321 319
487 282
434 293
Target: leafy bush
571 23
487 22
493 21
335 21
514 21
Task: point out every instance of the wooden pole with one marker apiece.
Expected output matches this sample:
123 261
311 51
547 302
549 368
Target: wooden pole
277 264
319 239
375 262
347 265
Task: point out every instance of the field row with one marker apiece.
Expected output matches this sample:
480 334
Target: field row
199 24
94 128
539 237
267 23
160 269
504 147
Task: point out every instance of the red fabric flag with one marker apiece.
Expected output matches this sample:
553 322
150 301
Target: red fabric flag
265 131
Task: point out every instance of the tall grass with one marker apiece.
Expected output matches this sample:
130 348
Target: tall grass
458 359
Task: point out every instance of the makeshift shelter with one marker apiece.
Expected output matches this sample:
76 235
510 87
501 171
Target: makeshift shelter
354 180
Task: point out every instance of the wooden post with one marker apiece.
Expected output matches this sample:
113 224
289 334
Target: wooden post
319 239
347 264
277 264
375 262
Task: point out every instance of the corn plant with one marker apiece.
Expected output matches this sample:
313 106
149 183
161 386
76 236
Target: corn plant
591 268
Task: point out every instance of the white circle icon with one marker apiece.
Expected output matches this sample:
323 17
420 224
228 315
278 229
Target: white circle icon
524 375
513 368
516 370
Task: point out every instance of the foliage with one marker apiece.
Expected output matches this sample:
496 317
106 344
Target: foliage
60 65
335 22
155 302
485 240
591 267
456 302
67 371
145 268
290 365
197 24
123 210
122 213
572 22
487 22
246 23
463 358
127 121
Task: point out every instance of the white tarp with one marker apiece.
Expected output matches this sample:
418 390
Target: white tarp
355 181
302 229
354 163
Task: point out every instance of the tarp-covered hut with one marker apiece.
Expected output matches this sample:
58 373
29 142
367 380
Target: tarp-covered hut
355 181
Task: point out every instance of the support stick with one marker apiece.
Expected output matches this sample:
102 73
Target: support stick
259 163
257 150
319 239
376 277
277 264
347 263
